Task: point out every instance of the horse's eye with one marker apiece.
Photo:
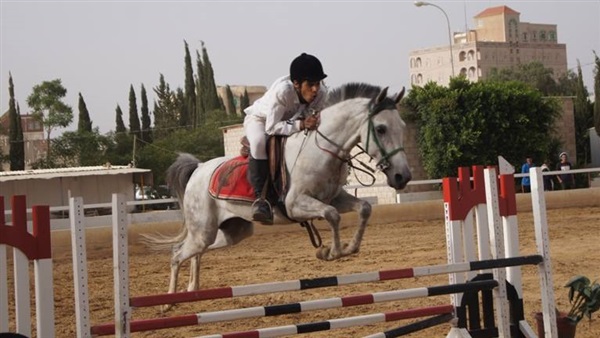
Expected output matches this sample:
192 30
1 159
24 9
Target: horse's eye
380 130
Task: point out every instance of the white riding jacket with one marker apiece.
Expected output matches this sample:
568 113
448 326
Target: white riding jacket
280 108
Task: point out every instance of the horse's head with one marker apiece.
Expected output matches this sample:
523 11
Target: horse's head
383 138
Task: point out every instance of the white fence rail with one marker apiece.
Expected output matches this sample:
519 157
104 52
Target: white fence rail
99 213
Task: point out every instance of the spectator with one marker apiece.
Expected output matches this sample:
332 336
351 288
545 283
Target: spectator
548 181
526 181
566 180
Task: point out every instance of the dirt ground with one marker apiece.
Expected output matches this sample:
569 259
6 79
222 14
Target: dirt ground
284 253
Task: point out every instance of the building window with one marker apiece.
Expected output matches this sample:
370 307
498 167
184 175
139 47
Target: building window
543 36
419 62
471 55
419 78
552 35
462 56
534 36
463 71
524 37
472 73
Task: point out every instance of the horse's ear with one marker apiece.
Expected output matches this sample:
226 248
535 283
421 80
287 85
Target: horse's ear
382 95
399 96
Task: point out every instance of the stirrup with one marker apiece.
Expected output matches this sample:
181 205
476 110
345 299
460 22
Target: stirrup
262 211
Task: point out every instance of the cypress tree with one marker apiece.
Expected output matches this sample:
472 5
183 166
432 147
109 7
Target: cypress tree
84 124
597 95
184 117
244 101
583 117
190 88
146 122
17 146
134 119
120 127
230 102
212 101
200 90
123 141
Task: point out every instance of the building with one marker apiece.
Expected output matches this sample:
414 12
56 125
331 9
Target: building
499 40
33 136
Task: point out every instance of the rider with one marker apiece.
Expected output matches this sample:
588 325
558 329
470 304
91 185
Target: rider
283 110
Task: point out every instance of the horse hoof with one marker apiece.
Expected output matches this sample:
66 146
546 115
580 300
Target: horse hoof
166 308
323 253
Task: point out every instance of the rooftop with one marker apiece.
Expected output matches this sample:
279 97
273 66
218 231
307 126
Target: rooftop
496 11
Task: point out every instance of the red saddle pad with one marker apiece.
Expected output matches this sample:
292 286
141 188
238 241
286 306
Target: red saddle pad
229 181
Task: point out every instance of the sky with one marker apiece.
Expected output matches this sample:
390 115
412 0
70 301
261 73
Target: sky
100 48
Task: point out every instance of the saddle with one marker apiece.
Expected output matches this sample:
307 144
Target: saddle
229 181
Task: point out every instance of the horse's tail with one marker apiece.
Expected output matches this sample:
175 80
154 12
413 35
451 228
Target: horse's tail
177 177
179 173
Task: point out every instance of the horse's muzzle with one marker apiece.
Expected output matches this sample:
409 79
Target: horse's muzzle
400 181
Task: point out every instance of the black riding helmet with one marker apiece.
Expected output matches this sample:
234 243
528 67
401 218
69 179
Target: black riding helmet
306 67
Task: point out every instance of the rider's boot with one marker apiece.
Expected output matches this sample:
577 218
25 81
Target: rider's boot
258 171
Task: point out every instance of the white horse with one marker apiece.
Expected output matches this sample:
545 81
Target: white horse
317 163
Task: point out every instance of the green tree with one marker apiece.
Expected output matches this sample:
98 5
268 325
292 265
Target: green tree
230 102
533 73
209 89
120 125
190 88
146 131
244 101
134 119
184 117
120 147
583 120
81 148
166 116
47 106
84 124
200 89
597 94
204 143
15 138
472 123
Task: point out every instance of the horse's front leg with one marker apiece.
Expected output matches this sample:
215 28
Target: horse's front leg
345 202
305 207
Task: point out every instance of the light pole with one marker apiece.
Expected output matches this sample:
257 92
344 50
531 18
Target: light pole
424 3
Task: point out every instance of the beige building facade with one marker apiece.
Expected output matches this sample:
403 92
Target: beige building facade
499 40
33 138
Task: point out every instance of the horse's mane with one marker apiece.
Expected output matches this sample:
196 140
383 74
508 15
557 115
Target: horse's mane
351 91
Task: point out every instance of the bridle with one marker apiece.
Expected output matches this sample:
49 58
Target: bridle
384 162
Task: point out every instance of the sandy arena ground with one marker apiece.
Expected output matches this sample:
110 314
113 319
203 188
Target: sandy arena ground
284 253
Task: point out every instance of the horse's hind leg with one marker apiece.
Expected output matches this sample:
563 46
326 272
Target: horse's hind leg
231 232
193 246
194 282
345 202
